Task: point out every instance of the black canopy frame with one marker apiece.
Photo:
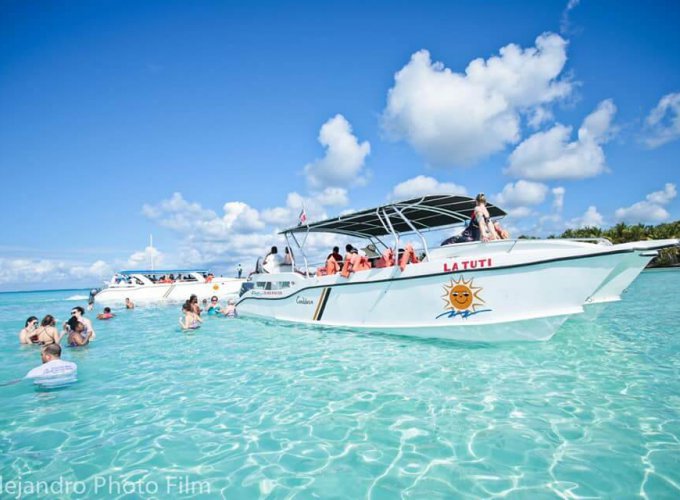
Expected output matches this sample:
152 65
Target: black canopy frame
415 215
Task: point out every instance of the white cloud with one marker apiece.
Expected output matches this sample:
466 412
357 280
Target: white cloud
558 199
143 258
565 22
550 155
32 271
424 185
191 218
343 164
521 193
457 119
591 218
241 234
663 122
649 210
314 206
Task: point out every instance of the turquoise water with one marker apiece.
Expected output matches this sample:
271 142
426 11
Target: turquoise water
242 409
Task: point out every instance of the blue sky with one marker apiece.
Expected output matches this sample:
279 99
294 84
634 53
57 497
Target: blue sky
200 122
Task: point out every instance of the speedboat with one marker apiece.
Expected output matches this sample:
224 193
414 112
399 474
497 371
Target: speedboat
173 285
502 290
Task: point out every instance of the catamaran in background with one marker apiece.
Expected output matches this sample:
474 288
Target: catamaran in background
173 285
501 290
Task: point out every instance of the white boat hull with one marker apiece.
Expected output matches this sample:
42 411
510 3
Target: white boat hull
170 292
628 269
509 298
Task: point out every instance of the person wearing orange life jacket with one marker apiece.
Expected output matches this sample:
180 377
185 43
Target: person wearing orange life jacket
409 256
386 260
348 265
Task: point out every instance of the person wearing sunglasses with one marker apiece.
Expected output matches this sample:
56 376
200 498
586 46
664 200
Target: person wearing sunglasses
27 334
79 312
214 307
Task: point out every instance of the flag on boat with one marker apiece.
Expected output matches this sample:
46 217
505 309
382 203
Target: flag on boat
303 217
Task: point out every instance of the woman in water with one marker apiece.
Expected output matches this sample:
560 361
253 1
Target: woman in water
27 334
193 302
190 320
47 333
76 336
214 307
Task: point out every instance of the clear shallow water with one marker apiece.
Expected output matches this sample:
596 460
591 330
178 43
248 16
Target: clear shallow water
245 409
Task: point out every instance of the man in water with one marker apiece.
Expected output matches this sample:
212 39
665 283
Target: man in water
54 371
90 300
129 304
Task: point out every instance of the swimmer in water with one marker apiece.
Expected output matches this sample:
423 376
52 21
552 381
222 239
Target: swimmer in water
79 313
190 320
129 304
47 332
27 334
230 311
54 371
214 307
75 336
107 314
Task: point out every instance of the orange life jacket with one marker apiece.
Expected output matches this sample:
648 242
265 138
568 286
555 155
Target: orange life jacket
409 256
332 266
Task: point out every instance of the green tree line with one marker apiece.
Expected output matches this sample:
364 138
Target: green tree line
623 233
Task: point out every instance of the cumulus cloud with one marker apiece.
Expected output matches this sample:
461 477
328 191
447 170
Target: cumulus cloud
551 155
663 122
144 258
423 185
591 218
650 210
191 218
32 271
314 205
521 193
343 163
558 199
241 233
457 119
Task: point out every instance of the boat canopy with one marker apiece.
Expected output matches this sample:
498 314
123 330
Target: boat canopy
420 214
163 271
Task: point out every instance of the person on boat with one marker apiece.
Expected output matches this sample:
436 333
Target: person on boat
79 313
230 311
53 369
239 270
272 261
76 338
107 314
333 263
190 320
479 228
129 304
209 277
214 307
501 233
27 334
47 332
288 257
336 255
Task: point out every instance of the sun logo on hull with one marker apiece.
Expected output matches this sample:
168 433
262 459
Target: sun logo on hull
461 298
